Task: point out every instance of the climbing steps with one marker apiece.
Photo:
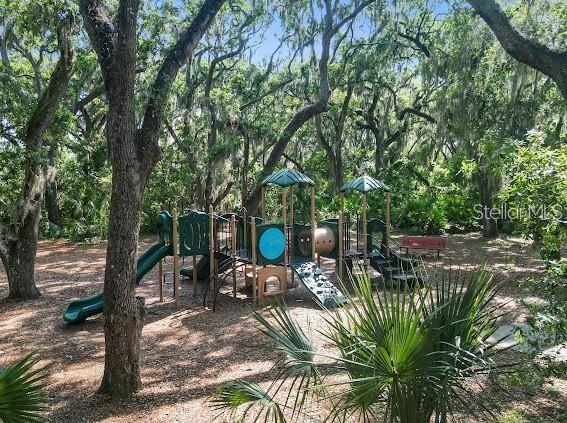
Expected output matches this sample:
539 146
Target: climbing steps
393 267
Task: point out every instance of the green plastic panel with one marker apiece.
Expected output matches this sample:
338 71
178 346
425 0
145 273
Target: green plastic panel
240 231
194 234
164 227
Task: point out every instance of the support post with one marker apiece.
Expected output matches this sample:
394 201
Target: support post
233 248
364 234
211 249
254 269
388 224
284 220
244 231
341 236
160 275
263 204
195 276
291 223
175 246
313 227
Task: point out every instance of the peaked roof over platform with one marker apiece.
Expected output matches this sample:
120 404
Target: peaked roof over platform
287 177
364 184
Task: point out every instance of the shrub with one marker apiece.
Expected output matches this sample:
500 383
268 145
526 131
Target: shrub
549 318
536 188
407 355
423 215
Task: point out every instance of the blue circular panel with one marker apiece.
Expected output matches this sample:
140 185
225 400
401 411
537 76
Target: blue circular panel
272 243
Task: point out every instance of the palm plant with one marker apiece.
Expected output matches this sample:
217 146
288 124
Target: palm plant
408 356
21 391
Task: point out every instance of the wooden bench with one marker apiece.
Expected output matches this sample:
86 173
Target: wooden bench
437 243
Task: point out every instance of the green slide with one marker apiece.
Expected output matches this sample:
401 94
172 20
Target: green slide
78 311
150 258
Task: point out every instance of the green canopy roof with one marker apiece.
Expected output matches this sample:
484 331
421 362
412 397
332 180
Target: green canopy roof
287 177
364 184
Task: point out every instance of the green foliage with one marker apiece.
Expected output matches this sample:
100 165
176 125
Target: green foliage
238 393
423 214
513 417
530 380
22 397
550 317
536 191
407 355
84 186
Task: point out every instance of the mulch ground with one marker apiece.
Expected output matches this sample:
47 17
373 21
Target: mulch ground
187 353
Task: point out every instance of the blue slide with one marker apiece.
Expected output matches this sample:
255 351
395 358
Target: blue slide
78 311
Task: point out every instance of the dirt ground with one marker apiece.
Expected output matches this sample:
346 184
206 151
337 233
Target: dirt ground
186 354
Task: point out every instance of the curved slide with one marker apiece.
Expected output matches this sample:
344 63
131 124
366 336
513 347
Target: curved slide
78 311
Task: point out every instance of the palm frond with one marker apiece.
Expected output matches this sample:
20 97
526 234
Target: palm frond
22 397
289 338
230 396
298 367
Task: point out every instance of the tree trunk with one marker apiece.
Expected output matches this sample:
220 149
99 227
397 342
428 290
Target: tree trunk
245 163
52 204
20 263
489 228
378 151
335 168
339 173
22 243
486 191
133 153
18 244
123 313
51 194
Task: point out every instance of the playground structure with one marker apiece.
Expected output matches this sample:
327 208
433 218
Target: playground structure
264 250
372 251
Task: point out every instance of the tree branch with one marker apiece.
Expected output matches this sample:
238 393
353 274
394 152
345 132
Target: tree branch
271 90
351 16
414 111
532 53
101 30
308 112
420 46
33 62
343 115
159 94
44 112
295 162
4 43
223 194
93 95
